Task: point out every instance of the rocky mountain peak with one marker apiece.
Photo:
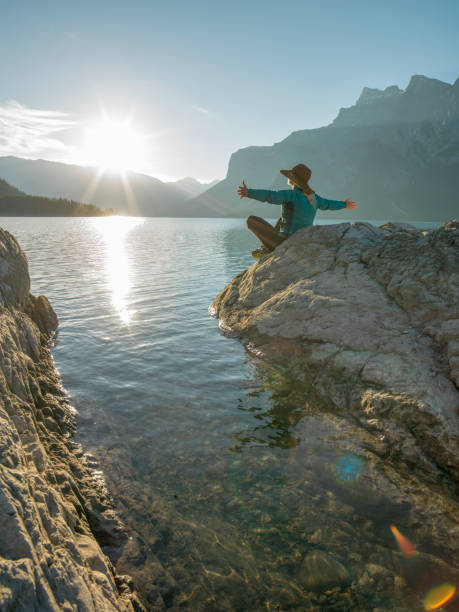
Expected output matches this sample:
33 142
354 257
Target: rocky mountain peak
420 84
370 94
424 99
191 186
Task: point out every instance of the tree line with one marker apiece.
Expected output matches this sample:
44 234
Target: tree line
15 203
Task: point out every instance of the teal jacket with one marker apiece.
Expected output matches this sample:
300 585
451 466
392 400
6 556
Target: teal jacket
297 212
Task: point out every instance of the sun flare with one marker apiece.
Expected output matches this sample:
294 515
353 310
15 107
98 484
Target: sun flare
114 145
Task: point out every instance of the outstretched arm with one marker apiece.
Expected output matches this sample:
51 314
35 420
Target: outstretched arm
266 195
325 204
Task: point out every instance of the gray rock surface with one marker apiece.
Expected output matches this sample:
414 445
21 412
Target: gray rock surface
372 312
54 514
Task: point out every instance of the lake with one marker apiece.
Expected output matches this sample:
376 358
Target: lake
238 491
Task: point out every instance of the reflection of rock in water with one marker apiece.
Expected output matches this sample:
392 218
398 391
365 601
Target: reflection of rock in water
215 530
225 531
279 399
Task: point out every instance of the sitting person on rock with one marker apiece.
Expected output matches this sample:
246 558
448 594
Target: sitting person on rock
299 207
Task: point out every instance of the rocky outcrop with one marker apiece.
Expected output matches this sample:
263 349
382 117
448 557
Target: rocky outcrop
371 314
56 518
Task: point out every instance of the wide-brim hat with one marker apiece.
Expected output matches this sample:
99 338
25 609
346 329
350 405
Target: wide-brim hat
300 175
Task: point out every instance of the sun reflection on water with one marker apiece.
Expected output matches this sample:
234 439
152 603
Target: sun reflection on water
114 231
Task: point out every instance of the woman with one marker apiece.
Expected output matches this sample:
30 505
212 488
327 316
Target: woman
299 207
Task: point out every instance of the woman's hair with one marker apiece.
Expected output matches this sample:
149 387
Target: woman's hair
293 184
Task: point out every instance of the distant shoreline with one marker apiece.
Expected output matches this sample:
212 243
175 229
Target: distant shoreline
377 222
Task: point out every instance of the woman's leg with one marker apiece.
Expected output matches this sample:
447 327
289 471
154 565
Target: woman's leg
265 232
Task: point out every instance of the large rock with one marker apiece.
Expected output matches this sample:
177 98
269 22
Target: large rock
51 505
372 314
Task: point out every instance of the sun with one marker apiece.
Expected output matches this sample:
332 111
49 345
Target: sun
114 145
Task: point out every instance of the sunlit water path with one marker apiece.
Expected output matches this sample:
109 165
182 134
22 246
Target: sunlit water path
239 494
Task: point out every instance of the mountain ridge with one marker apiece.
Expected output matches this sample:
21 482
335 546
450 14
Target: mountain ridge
16 203
423 99
396 164
8 190
395 152
134 193
192 186
85 184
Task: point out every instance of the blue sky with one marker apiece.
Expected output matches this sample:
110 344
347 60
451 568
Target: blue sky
202 79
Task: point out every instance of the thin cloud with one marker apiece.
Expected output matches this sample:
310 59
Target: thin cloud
29 132
202 110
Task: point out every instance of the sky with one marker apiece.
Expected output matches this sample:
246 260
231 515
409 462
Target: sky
173 88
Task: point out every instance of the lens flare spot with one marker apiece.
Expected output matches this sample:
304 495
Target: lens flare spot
406 548
349 468
438 596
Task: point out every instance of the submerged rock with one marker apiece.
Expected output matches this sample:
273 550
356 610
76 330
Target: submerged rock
320 571
371 313
54 514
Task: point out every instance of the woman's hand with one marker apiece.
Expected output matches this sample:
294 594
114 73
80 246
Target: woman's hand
242 190
350 204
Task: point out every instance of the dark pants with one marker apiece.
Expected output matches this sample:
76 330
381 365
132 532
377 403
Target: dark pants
270 238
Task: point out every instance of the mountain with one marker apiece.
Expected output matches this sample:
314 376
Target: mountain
396 152
139 194
16 203
423 100
8 190
190 186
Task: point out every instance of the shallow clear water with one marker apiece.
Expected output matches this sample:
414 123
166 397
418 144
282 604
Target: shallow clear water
231 476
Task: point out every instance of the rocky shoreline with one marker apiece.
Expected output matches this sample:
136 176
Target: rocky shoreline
59 534
366 319
372 314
